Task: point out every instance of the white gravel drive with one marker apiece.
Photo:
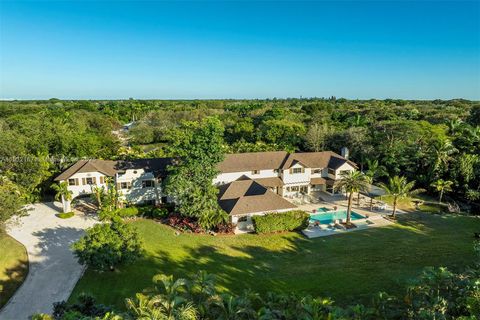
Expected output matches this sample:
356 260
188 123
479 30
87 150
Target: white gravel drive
53 269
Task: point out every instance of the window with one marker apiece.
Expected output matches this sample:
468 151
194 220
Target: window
297 170
125 185
255 171
89 181
331 171
147 183
102 179
317 171
72 182
295 188
149 202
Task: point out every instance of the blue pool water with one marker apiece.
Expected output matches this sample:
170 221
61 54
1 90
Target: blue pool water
329 217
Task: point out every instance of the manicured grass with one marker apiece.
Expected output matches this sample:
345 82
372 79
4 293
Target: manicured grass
13 266
348 267
65 215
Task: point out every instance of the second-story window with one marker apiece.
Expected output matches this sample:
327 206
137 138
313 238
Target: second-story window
316 171
90 180
255 171
297 170
72 182
125 185
147 183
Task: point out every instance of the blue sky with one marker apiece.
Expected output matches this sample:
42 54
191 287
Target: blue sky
176 50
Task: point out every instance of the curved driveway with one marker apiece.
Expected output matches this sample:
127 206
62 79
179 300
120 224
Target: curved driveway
53 269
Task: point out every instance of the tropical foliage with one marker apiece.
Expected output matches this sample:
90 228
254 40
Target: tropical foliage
352 182
437 293
198 147
107 245
399 188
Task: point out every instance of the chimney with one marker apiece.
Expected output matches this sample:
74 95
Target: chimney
344 152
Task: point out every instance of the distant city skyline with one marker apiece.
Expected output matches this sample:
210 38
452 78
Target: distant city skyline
239 50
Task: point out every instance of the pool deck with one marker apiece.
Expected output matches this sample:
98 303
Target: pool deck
374 218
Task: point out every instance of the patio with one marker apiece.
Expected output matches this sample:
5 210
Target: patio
373 210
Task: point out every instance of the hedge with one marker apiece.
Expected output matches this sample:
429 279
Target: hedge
284 221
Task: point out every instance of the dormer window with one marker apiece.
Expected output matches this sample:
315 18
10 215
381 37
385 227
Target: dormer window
317 171
255 171
297 170
147 184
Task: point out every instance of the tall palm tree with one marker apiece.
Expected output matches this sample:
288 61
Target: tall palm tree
399 188
63 194
442 186
442 152
351 182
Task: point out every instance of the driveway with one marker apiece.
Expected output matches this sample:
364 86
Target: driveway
53 269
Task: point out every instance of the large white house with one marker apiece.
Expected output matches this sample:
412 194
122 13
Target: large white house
249 183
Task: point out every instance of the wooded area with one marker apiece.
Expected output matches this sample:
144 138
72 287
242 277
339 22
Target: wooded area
430 142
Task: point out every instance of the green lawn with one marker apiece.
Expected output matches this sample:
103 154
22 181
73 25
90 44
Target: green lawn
13 266
346 267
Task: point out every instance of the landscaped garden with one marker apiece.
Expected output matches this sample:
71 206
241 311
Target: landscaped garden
13 266
349 267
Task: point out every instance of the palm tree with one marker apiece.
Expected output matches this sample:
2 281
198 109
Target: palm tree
399 188
374 171
63 194
442 153
352 181
442 186
168 303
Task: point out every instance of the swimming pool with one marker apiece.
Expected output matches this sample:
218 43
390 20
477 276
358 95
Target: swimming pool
329 217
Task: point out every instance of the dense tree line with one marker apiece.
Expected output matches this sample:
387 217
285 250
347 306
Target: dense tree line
425 141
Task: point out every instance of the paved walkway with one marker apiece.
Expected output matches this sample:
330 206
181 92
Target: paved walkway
53 269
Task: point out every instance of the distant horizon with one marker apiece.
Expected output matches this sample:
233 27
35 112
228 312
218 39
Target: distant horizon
108 50
232 99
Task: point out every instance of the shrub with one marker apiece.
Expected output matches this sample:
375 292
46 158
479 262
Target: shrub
128 212
121 213
65 215
284 221
107 245
154 212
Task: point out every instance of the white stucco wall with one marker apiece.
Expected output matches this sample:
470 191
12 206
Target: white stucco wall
84 189
296 178
137 194
224 178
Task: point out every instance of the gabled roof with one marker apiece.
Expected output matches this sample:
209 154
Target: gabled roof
247 196
323 159
240 162
252 161
110 168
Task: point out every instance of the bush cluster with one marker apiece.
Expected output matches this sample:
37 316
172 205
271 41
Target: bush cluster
284 221
134 211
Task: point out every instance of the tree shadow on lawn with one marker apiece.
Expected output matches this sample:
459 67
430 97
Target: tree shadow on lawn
15 277
350 267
